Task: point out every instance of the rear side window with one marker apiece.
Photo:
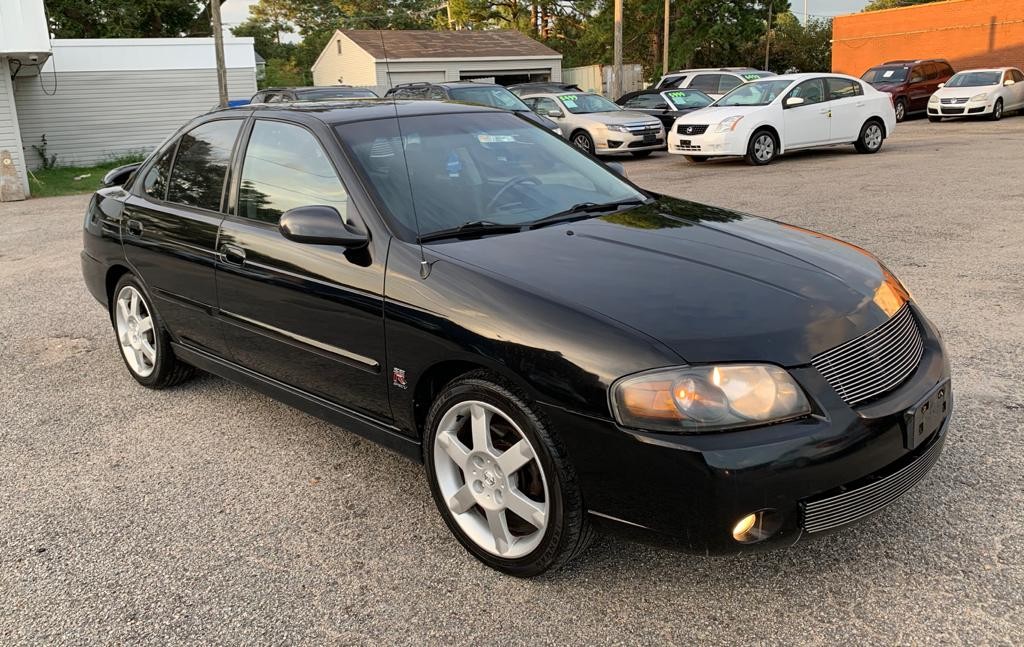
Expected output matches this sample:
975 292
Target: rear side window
285 167
204 154
727 83
155 183
843 88
707 83
648 101
437 94
1018 76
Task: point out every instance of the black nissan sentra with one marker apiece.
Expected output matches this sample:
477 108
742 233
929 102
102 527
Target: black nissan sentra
560 348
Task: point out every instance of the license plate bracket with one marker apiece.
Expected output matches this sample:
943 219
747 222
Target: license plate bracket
684 142
925 418
650 138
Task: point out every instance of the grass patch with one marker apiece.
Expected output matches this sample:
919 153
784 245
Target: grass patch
69 180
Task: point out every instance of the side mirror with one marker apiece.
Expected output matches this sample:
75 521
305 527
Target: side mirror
792 102
556 113
942 85
661 106
1008 82
617 168
118 176
319 225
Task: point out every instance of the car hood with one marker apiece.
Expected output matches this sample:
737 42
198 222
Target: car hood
712 285
964 92
715 114
619 117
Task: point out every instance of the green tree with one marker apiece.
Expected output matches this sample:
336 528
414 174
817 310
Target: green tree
120 19
875 5
797 47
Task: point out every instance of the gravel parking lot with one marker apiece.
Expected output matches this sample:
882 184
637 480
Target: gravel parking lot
209 513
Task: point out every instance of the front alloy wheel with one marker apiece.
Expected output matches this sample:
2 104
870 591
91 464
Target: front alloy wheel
997 111
501 479
761 149
583 141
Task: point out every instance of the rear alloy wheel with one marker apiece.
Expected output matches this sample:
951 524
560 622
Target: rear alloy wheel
997 111
501 481
762 148
582 140
145 346
871 137
901 110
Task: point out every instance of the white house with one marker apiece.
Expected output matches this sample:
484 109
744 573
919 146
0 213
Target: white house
383 59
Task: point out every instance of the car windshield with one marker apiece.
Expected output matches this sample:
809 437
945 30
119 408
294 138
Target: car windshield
442 171
683 99
336 93
493 96
758 93
886 75
974 79
581 104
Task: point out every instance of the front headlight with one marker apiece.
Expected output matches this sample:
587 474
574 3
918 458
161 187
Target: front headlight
728 124
707 398
933 99
980 97
619 128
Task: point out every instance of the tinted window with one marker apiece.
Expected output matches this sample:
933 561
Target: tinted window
931 71
706 83
544 105
727 83
885 75
810 91
155 184
495 96
285 167
437 94
673 82
688 98
204 154
648 101
843 88
917 74
1018 76
945 70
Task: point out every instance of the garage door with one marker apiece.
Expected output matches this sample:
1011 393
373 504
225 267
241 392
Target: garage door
412 77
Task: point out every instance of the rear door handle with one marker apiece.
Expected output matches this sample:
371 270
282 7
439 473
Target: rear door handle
133 227
232 254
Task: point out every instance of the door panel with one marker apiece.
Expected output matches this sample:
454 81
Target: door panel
807 124
170 230
310 316
848 109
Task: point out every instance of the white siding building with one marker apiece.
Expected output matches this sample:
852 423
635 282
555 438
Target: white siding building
97 99
383 59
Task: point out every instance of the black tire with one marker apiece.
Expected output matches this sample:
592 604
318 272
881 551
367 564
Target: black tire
582 140
167 370
997 111
872 134
696 159
568 531
901 109
762 148
934 119
641 154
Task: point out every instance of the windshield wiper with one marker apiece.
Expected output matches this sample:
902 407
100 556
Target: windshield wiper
471 228
584 210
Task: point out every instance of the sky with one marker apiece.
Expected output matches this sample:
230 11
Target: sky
236 11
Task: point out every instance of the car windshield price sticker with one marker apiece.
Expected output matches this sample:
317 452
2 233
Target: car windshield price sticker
886 74
751 77
569 100
677 95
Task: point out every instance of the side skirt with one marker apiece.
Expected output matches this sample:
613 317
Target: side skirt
378 432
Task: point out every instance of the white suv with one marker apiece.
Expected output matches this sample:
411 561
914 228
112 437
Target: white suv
714 82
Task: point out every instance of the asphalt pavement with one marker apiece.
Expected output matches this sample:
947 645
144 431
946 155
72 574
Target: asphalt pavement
211 514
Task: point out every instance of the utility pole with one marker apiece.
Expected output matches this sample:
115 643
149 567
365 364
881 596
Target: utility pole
218 48
664 43
768 36
617 60
805 13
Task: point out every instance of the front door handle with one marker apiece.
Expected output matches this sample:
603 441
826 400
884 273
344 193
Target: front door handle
133 227
232 254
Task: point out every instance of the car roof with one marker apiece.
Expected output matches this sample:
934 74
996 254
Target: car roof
530 95
347 111
987 69
916 61
713 69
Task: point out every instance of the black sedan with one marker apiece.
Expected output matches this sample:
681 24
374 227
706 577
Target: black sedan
666 105
559 347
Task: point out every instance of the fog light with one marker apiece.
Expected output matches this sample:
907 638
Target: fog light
743 527
757 526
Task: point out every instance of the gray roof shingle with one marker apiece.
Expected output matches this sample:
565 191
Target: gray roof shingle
401 44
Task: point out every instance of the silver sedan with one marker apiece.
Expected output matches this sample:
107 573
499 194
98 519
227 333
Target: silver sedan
598 126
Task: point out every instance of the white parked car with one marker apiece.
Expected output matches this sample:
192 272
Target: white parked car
990 92
763 119
715 82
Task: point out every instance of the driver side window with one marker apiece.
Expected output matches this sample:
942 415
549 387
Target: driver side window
811 92
544 106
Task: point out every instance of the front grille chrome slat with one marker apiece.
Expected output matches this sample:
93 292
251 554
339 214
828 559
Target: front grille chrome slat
875 363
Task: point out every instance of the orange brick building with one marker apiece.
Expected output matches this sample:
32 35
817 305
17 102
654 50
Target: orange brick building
968 33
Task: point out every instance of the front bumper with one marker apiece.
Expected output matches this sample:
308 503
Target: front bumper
960 109
707 144
615 142
690 490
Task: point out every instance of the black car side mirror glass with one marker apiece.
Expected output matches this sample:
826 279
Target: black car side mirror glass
118 176
319 225
661 106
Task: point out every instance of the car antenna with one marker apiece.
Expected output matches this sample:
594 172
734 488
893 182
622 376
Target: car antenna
424 265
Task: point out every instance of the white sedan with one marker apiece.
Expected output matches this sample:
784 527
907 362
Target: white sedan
979 92
766 118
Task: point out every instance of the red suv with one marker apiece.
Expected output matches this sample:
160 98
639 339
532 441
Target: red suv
909 82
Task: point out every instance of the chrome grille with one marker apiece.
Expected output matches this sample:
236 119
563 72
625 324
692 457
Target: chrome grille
695 129
840 509
876 362
954 100
645 128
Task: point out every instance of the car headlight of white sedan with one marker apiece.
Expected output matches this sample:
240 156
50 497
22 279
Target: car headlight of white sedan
728 124
980 97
